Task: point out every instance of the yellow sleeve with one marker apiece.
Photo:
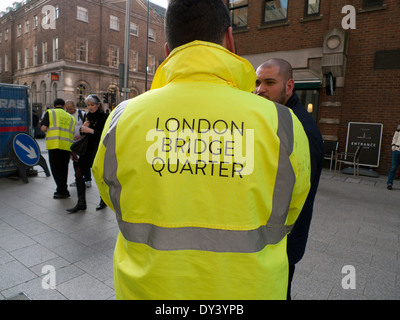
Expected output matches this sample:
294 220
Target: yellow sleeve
301 163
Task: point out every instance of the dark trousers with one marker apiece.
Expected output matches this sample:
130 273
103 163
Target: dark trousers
59 160
291 272
87 174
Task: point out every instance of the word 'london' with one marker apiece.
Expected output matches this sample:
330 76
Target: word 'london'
219 126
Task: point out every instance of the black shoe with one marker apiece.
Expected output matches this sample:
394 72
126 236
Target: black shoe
58 195
79 207
389 187
101 205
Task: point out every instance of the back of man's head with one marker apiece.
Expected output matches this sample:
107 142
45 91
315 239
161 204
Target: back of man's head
59 102
189 20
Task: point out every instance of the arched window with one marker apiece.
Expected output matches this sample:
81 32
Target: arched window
34 93
43 93
54 91
81 93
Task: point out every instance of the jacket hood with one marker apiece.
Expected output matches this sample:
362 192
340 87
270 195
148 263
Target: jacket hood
205 61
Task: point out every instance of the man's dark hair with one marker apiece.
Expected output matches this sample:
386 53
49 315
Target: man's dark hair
189 20
59 102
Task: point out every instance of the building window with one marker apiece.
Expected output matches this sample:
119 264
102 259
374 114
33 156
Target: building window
26 58
275 11
54 91
35 22
133 60
152 34
151 68
57 11
43 93
35 55
44 52
372 3
46 17
387 59
19 60
19 30
82 14
1 65
134 29
26 26
81 93
55 49
6 36
34 92
6 62
114 23
312 7
309 96
114 56
238 12
1 37
82 50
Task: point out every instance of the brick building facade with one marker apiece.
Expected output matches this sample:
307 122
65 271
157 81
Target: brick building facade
317 38
69 49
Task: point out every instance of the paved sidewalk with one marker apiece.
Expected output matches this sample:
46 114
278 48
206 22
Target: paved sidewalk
37 231
356 223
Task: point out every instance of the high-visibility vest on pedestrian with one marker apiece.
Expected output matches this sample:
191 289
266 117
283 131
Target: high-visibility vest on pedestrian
206 181
60 133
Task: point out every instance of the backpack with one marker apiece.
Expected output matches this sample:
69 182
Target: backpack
81 115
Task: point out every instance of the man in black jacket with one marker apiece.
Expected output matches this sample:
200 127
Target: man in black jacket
275 82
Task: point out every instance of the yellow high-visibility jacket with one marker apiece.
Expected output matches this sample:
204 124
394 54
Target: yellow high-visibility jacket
206 180
60 133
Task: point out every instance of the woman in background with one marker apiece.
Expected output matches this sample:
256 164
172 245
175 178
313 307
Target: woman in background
93 127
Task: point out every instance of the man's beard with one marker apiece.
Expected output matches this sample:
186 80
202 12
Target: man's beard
279 99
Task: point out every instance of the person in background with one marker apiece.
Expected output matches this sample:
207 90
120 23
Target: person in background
208 228
43 113
275 82
35 119
59 126
93 127
79 116
395 158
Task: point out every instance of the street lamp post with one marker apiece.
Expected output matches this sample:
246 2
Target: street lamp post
147 44
125 88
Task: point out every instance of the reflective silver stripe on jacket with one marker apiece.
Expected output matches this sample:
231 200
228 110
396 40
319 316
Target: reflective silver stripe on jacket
59 138
207 239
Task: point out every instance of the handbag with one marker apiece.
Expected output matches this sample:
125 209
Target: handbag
80 146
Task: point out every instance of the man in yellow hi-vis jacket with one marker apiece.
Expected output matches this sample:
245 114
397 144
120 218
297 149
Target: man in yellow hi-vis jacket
59 126
206 179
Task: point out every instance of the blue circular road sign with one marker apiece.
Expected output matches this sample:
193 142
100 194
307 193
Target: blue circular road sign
26 149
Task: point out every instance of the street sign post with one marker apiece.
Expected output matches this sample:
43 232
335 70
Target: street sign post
28 154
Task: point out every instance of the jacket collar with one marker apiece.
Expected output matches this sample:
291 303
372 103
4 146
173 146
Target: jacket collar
208 62
293 101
